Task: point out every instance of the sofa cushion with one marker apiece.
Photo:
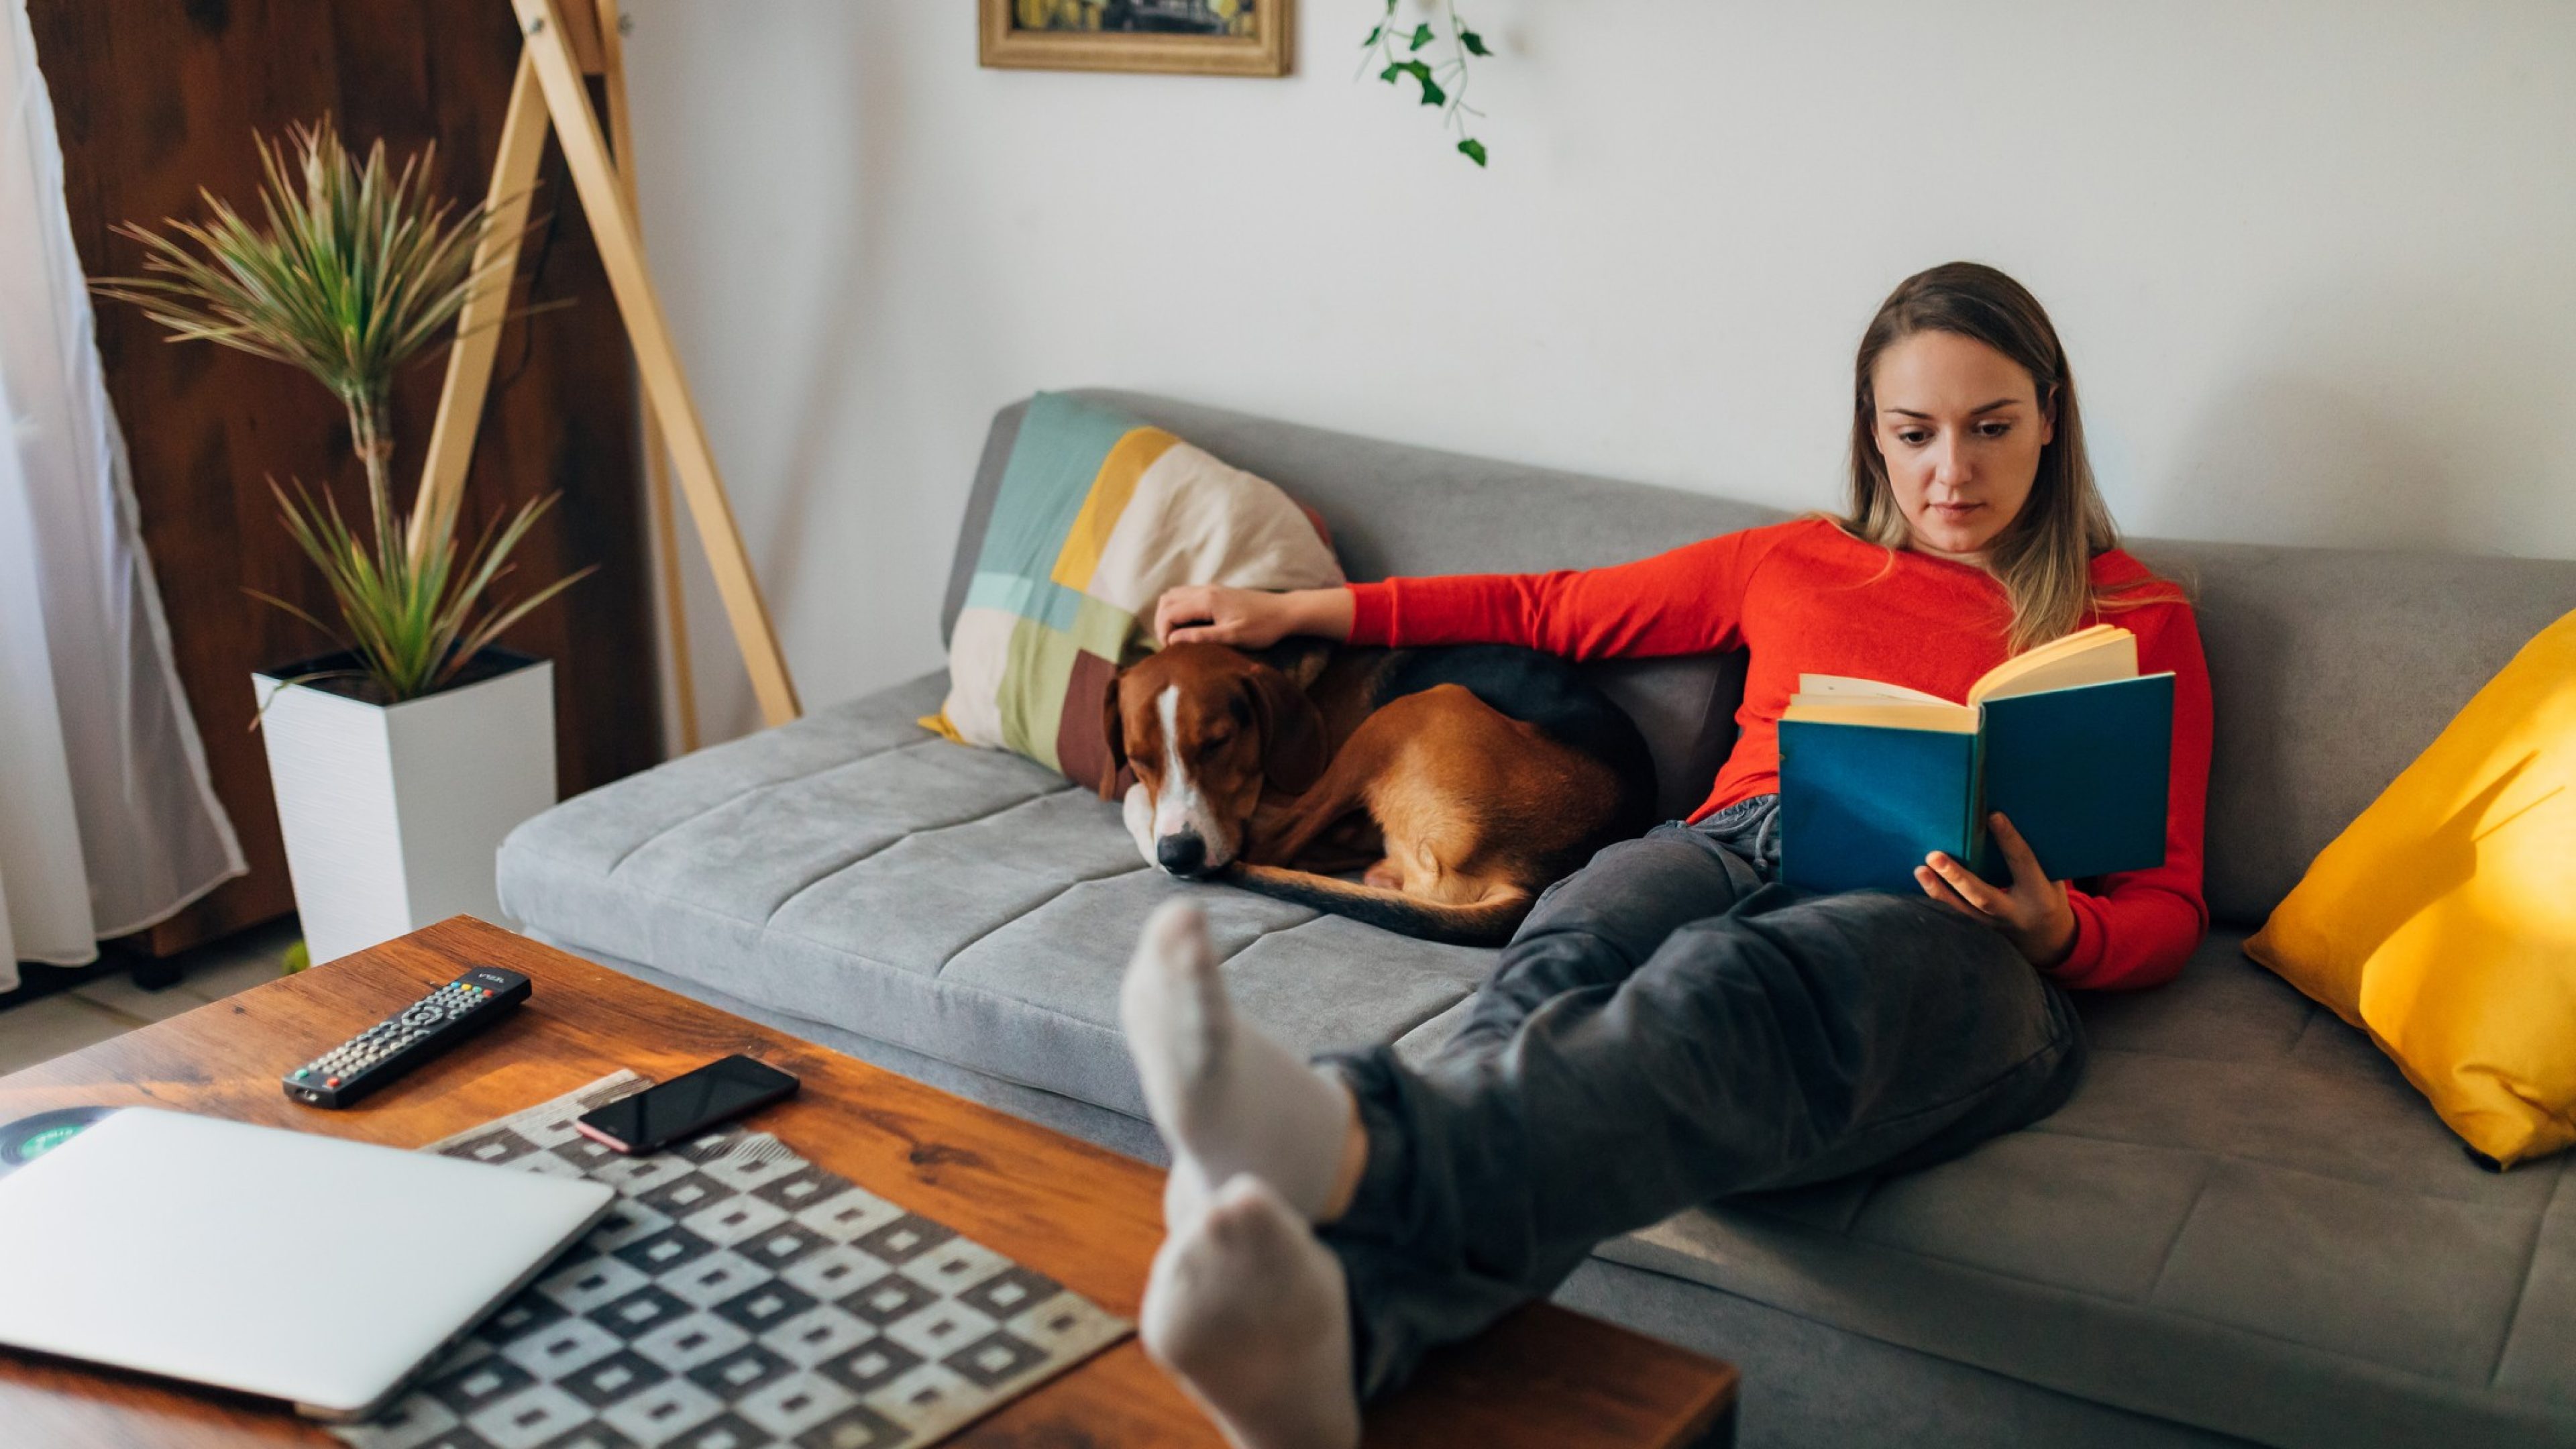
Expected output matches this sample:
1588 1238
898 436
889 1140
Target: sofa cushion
966 904
2244 1220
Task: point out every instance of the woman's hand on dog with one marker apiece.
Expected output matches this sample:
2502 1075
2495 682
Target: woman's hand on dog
1248 618
2034 914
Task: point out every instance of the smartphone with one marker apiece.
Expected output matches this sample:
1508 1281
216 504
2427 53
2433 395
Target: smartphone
685 1106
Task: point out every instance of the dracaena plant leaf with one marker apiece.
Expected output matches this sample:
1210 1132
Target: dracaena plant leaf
353 269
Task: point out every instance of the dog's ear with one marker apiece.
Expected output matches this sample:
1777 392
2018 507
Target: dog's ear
1301 657
1113 733
1293 750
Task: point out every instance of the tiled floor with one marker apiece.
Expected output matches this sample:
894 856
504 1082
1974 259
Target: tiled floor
67 1021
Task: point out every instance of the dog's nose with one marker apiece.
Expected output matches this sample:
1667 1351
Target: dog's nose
1181 854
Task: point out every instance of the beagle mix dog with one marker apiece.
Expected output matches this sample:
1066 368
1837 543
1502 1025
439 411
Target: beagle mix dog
1460 781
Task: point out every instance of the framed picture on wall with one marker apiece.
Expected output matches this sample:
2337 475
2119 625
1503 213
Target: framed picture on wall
1207 37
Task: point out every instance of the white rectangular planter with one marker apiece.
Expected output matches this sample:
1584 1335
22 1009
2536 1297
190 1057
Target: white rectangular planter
393 813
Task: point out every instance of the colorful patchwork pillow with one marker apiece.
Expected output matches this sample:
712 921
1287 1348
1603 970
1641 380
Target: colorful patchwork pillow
1097 514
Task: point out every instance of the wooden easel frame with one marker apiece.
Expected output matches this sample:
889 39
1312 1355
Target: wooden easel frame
567 39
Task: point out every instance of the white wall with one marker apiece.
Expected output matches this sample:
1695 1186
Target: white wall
2315 260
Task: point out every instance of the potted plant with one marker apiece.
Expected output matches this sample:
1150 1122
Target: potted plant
400 758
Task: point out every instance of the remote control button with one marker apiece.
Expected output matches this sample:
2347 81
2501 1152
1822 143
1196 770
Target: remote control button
392 1046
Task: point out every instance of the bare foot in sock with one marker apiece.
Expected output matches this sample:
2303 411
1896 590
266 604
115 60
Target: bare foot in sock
1250 1313
1226 1098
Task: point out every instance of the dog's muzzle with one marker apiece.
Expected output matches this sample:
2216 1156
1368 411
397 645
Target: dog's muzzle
1181 854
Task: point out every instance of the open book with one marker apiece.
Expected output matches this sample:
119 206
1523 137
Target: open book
2069 741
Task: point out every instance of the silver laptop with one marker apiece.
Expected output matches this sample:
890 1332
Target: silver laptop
281 1263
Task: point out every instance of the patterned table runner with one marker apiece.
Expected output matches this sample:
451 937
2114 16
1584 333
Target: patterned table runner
735 1296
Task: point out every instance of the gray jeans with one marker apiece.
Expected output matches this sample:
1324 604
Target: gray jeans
1672 1025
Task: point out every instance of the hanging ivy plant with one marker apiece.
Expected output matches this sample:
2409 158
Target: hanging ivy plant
1443 84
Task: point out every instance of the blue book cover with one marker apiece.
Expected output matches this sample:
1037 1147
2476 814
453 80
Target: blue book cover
1860 806
2081 772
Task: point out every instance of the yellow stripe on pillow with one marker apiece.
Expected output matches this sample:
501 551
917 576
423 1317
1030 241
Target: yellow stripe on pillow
1096 514
1116 484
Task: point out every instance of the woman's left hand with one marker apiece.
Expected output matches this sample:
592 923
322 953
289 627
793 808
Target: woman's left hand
2034 914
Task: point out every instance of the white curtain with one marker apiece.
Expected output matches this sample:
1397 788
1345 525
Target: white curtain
108 822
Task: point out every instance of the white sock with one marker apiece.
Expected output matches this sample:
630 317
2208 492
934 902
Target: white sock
1226 1098
1251 1314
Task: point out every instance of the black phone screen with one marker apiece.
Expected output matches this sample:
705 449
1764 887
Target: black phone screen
685 1106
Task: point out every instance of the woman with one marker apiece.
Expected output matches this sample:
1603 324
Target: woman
1671 1024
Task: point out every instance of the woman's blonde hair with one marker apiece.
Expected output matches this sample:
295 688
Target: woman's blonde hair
2044 556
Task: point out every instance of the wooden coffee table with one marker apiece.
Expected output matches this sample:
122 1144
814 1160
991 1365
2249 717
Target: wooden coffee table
1086 1217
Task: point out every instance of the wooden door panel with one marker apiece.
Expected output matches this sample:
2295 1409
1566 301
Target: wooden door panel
156 100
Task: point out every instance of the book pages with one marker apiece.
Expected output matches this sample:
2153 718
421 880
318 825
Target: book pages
1893 714
1863 688
2097 655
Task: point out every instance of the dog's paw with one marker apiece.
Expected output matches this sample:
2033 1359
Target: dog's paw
1139 812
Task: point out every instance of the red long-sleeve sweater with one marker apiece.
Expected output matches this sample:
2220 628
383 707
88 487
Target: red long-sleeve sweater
1806 598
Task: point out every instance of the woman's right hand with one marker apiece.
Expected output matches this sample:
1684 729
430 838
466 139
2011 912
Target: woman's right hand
1248 618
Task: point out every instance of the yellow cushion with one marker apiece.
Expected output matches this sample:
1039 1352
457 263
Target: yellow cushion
2443 922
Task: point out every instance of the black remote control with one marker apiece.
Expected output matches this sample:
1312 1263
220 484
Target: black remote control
403 1041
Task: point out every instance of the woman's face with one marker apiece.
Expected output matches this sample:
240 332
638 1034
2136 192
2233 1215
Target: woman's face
1960 427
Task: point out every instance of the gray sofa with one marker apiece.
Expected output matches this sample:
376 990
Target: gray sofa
2245 1226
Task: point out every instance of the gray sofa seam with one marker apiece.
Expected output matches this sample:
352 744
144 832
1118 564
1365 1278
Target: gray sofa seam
2308 1023
750 790
941 973
788 899
2215 1155
2182 1225
2522 1288
867 855
1434 1015
2054 1130
765 929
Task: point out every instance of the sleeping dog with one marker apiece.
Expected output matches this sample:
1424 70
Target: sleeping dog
1461 781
